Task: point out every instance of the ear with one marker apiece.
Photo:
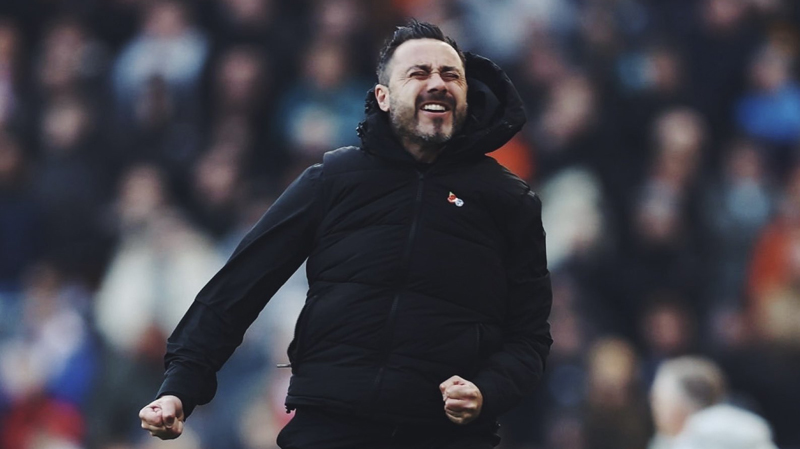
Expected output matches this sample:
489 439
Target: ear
382 96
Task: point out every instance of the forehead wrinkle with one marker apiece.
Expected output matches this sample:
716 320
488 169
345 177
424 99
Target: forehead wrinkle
434 52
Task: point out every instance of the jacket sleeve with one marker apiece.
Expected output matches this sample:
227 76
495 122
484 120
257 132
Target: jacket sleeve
512 373
215 323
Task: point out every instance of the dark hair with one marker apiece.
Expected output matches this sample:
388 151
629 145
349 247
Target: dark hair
414 29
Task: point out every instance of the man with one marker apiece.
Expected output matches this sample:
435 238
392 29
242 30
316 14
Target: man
688 412
426 315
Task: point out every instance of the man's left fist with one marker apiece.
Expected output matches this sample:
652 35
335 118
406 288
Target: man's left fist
462 400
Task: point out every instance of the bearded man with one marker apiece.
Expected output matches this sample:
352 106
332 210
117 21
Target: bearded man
429 295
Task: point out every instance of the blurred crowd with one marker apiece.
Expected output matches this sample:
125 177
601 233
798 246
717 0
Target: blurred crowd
140 139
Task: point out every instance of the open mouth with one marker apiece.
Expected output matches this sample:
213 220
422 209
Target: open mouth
435 107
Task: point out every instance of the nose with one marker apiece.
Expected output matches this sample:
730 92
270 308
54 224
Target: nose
436 83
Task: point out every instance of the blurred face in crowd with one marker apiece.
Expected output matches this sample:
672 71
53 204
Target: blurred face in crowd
744 162
249 12
668 329
64 125
9 41
612 372
770 70
326 65
427 93
670 410
240 78
166 20
722 15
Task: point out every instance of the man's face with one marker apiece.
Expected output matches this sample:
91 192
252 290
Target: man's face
427 93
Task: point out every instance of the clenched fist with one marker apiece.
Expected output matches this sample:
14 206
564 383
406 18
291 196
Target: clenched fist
163 417
462 400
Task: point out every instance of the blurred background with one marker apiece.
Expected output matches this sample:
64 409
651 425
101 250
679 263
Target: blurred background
140 139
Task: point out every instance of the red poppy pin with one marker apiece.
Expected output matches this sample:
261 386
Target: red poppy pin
452 198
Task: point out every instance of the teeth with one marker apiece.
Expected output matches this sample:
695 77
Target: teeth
433 107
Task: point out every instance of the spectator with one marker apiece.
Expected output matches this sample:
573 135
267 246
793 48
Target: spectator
9 71
651 80
616 409
668 330
337 20
275 28
242 79
689 414
572 193
775 271
20 224
240 106
566 132
249 21
738 204
665 250
169 47
47 368
70 60
218 188
70 186
501 30
159 135
318 113
159 265
717 46
771 112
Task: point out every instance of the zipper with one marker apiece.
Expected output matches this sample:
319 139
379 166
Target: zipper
477 359
414 222
387 344
406 260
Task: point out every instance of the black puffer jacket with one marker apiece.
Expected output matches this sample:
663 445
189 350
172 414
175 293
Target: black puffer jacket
417 273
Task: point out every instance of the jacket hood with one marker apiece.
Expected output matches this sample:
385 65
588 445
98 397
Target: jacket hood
494 115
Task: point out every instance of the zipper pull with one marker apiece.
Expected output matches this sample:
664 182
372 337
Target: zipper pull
283 365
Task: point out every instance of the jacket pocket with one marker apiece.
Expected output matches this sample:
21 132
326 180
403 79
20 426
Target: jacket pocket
299 343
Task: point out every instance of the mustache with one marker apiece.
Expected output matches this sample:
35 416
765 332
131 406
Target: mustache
439 97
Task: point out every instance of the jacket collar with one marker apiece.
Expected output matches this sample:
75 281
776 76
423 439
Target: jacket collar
494 116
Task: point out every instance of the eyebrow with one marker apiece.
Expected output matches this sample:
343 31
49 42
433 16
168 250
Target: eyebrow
427 68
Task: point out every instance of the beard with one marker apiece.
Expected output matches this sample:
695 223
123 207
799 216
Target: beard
405 121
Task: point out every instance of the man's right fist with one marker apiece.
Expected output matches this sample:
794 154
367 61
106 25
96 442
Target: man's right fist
163 417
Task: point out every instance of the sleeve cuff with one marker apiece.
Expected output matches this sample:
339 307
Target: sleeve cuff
187 405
